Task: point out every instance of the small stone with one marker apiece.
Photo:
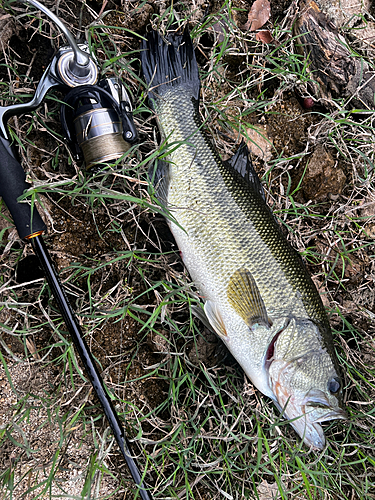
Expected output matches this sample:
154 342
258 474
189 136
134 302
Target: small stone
308 103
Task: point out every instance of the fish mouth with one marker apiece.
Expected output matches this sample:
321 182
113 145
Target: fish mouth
309 428
307 415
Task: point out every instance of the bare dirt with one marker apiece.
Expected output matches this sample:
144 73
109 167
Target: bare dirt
90 234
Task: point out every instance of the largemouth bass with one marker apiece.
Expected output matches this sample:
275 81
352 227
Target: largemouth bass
258 296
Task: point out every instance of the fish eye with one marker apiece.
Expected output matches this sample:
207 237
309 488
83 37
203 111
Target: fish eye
334 385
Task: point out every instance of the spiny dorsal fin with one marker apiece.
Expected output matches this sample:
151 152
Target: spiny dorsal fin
241 163
215 319
244 296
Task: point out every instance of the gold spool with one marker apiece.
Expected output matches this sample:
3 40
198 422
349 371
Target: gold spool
105 148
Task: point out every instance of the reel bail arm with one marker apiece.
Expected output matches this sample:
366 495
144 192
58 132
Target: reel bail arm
78 67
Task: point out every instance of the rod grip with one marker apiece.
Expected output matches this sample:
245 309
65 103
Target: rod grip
12 185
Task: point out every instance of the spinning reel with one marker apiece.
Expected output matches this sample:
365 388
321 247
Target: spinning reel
98 122
96 116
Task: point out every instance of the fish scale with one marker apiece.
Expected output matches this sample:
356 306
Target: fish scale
208 212
258 295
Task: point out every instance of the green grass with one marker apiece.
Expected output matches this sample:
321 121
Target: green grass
199 428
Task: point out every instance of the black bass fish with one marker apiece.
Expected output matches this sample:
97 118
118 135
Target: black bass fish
258 296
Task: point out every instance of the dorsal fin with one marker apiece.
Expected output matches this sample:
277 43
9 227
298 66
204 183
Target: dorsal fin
241 163
244 296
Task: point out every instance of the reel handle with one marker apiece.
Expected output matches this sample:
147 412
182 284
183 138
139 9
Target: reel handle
13 184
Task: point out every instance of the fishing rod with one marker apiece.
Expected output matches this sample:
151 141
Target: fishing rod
97 120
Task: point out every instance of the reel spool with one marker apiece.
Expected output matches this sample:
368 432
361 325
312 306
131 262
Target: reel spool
98 122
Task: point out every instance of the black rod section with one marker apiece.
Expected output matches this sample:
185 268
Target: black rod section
71 322
12 186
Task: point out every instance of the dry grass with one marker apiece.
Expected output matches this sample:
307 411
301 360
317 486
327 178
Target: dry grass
199 428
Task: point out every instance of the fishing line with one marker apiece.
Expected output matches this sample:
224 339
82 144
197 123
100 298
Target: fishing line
107 148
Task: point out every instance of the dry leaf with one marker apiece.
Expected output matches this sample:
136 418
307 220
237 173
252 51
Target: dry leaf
32 348
259 14
268 491
219 32
8 28
258 142
264 36
368 214
323 176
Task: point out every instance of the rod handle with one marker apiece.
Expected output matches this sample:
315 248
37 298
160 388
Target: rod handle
12 185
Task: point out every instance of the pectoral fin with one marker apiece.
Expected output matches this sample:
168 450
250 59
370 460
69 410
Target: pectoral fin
244 296
215 319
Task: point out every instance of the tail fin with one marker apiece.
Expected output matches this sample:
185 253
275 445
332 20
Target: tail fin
169 62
